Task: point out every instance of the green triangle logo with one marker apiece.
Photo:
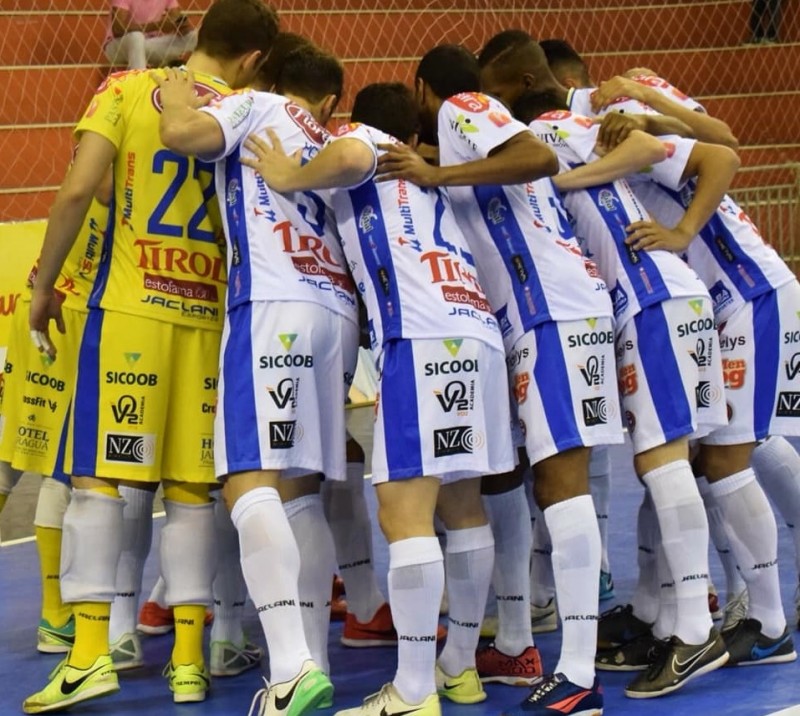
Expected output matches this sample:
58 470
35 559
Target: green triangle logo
592 322
453 345
47 361
132 358
697 305
287 340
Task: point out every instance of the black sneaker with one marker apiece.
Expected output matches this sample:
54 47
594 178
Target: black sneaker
747 645
677 664
636 655
618 626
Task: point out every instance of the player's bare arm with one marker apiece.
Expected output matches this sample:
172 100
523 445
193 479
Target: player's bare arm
122 23
520 159
183 128
343 163
704 127
714 167
85 177
616 126
637 152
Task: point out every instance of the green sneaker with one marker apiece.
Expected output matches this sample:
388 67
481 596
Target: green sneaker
466 688
187 682
69 686
55 640
309 690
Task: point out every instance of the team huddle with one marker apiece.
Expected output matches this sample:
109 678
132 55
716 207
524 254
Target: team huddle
533 262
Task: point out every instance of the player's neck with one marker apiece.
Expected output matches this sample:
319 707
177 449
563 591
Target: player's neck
201 62
305 104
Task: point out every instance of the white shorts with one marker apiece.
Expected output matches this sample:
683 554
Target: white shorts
562 380
670 373
442 411
285 368
761 362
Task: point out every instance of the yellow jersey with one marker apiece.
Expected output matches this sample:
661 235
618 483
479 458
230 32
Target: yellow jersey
163 257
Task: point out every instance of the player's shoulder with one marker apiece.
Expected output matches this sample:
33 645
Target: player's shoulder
304 121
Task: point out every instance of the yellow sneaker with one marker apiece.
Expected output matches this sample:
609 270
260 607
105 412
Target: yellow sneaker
187 682
69 686
387 702
466 688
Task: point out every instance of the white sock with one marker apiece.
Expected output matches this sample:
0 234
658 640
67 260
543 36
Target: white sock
543 588
576 566
511 526
271 568
137 535
684 535
188 552
230 591
664 626
317 565
753 536
416 583
646 597
777 467
348 517
600 487
734 583
469 560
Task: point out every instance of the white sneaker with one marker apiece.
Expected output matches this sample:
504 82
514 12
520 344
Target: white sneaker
544 619
387 702
735 611
126 652
228 659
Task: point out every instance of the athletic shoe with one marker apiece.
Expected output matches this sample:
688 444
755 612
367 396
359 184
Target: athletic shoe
735 611
378 631
187 682
338 602
636 655
713 603
55 640
306 692
496 667
677 664
618 626
544 619
466 688
556 695
228 659
747 645
126 652
797 604
69 686
155 619
387 702
606 586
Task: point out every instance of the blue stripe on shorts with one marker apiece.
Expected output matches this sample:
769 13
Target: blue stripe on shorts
86 401
767 336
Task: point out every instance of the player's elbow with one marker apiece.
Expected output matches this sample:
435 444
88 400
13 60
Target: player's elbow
649 149
174 136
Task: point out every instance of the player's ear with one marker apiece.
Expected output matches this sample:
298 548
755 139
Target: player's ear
529 81
413 140
251 64
570 82
419 91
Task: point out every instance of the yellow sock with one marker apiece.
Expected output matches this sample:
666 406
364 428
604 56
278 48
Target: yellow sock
3 499
91 633
48 544
189 621
190 493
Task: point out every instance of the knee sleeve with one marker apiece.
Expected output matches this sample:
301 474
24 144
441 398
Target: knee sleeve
188 553
91 547
9 477
52 504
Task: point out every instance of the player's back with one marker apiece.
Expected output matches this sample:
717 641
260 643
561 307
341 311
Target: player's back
163 257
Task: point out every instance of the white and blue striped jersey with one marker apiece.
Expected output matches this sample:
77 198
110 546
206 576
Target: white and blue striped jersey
637 279
409 259
523 243
280 247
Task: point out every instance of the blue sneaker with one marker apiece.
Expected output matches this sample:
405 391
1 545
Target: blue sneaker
606 586
748 645
554 695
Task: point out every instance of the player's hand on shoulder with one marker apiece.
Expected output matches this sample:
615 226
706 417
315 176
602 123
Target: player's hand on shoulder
616 126
271 161
400 161
614 89
177 88
652 236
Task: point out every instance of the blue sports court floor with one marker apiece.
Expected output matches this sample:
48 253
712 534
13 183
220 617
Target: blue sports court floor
739 691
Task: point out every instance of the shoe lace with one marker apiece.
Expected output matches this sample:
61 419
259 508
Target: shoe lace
258 705
379 697
544 686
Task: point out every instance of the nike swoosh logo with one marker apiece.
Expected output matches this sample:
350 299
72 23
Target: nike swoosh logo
758 652
681 667
69 687
384 712
282 702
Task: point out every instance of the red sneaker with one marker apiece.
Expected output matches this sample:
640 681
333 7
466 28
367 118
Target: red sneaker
379 631
155 619
496 667
338 602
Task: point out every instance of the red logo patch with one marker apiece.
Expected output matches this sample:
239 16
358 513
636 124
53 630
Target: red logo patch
471 101
201 89
311 128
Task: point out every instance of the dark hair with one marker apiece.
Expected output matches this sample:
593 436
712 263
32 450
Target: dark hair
231 28
533 103
283 44
449 70
310 73
502 42
388 106
560 54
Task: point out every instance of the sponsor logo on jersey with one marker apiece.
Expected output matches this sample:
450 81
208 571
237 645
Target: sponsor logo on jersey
630 420
790 337
285 393
702 353
703 394
471 102
697 326
45 380
498 119
457 396
729 343
130 448
594 371
522 382
366 219
201 90
460 440
32 441
121 377
628 379
8 303
452 367
516 357
594 338
595 411
283 434
128 409
734 371
309 126
793 366
788 405
619 298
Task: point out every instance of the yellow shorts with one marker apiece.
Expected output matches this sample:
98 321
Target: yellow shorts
145 400
37 394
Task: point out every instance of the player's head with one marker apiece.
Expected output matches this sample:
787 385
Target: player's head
284 43
444 71
237 35
567 65
639 72
533 103
513 63
390 107
313 76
